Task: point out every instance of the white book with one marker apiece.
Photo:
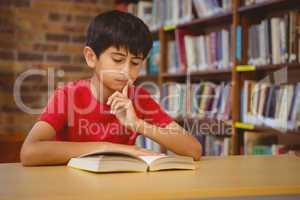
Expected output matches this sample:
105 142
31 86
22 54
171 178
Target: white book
187 14
175 13
120 161
199 8
275 23
202 52
198 55
190 53
283 38
144 11
262 44
226 49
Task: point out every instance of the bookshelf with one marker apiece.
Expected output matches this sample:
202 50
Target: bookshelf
245 16
240 17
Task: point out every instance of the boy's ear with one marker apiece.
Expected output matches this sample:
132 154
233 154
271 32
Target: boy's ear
90 57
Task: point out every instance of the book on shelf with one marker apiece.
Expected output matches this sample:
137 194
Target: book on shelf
210 100
275 40
159 13
251 2
173 58
207 8
206 100
171 13
147 143
199 53
141 9
153 60
142 141
217 146
174 99
164 13
181 56
121 161
270 105
264 143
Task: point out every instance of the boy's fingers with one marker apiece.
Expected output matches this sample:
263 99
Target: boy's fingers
112 97
115 100
125 90
119 106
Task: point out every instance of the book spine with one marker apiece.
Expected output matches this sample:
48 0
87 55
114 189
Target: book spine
239 43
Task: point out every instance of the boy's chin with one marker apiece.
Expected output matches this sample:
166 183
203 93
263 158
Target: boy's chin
117 88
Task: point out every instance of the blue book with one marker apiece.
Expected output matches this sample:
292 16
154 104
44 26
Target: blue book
238 43
154 59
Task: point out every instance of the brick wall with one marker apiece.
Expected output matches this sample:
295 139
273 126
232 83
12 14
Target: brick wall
44 35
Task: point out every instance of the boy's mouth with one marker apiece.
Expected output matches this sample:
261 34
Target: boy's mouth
122 81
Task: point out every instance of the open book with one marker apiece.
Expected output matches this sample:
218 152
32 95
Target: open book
118 161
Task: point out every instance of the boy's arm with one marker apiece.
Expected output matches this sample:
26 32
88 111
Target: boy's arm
173 137
40 148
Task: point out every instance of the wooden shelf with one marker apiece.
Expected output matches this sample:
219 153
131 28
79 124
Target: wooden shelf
211 74
290 66
257 128
170 75
147 78
199 73
267 6
220 18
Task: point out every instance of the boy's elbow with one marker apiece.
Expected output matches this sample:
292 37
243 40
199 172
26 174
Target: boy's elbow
26 156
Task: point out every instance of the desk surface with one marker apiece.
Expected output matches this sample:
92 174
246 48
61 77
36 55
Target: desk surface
214 177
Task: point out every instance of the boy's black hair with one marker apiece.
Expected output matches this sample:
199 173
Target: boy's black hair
121 30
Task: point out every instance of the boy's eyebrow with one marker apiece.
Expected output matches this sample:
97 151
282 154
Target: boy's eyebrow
122 54
137 57
119 54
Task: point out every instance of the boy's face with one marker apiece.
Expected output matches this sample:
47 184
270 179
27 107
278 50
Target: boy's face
115 67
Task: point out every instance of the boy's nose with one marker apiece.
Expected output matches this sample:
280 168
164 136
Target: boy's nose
125 69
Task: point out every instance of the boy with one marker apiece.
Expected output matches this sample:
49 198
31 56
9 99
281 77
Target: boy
106 111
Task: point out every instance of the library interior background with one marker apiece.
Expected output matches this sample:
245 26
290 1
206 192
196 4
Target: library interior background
228 71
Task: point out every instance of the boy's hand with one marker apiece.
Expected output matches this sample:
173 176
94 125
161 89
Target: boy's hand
122 107
143 152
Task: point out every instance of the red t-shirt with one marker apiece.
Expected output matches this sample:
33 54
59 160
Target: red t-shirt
76 115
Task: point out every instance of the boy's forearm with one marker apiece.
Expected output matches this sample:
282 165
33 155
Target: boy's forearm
57 152
172 137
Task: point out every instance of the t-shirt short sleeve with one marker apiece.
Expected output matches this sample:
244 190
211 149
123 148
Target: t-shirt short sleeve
55 112
149 109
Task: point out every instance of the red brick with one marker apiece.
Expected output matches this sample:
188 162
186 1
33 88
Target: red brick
56 37
79 39
7 55
58 58
83 19
24 56
73 68
45 47
53 16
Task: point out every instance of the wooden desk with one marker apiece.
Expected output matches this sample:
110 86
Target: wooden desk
214 177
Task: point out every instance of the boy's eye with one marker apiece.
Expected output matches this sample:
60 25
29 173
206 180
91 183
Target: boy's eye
134 63
117 60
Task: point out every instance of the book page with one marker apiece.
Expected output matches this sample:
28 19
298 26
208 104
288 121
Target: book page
150 159
109 152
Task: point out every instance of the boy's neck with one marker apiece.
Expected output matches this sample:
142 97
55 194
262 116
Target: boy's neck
99 90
